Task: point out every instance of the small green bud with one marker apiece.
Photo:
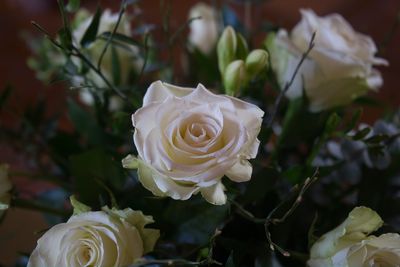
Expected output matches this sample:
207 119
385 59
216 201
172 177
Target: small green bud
130 162
256 61
226 48
234 77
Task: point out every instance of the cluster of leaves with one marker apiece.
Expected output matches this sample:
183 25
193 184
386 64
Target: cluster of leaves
268 214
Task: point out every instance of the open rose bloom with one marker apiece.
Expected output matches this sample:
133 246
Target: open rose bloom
188 139
339 67
108 238
349 245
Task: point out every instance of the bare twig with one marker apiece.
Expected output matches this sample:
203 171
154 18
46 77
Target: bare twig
270 220
182 262
288 84
146 56
181 28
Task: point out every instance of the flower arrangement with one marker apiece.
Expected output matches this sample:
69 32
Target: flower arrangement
252 155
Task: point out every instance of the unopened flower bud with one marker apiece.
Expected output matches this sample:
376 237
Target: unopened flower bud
234 77
256 61
226 48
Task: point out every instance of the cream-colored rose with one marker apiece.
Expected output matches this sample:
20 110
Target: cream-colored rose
349 245
188 139
115 102
339 67
108 238
203 31
5 187
128 56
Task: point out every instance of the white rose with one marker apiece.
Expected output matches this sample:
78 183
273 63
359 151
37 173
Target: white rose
349 245
108 238
115 101
128 56
339 67
5 187
188 139
204 31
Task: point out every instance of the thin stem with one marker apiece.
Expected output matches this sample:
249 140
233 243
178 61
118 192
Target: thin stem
247 214
76 53
120 14
32 205
176 34
288 84
282 219
270 220
146 56
98 72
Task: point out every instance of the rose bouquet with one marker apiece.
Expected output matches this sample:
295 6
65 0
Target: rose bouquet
243 155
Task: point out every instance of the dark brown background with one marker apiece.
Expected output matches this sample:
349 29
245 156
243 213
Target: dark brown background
373 17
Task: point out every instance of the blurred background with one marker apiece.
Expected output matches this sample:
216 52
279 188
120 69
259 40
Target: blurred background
373 17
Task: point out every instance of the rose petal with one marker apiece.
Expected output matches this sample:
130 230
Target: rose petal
214 194
159 91
241 171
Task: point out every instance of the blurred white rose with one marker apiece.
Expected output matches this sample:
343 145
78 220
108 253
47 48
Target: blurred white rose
111 238
128 56
115 102
188 139
5 187
339 67
349 245
203 31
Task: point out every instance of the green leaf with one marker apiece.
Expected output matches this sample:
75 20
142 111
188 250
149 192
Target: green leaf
65 38
196 220
115 66
79 207
65 32
64 18
361 134
121 123
118 37
91 32
332 123
85 124
72 6
354 119
242 50
377 138
90 167
294 174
